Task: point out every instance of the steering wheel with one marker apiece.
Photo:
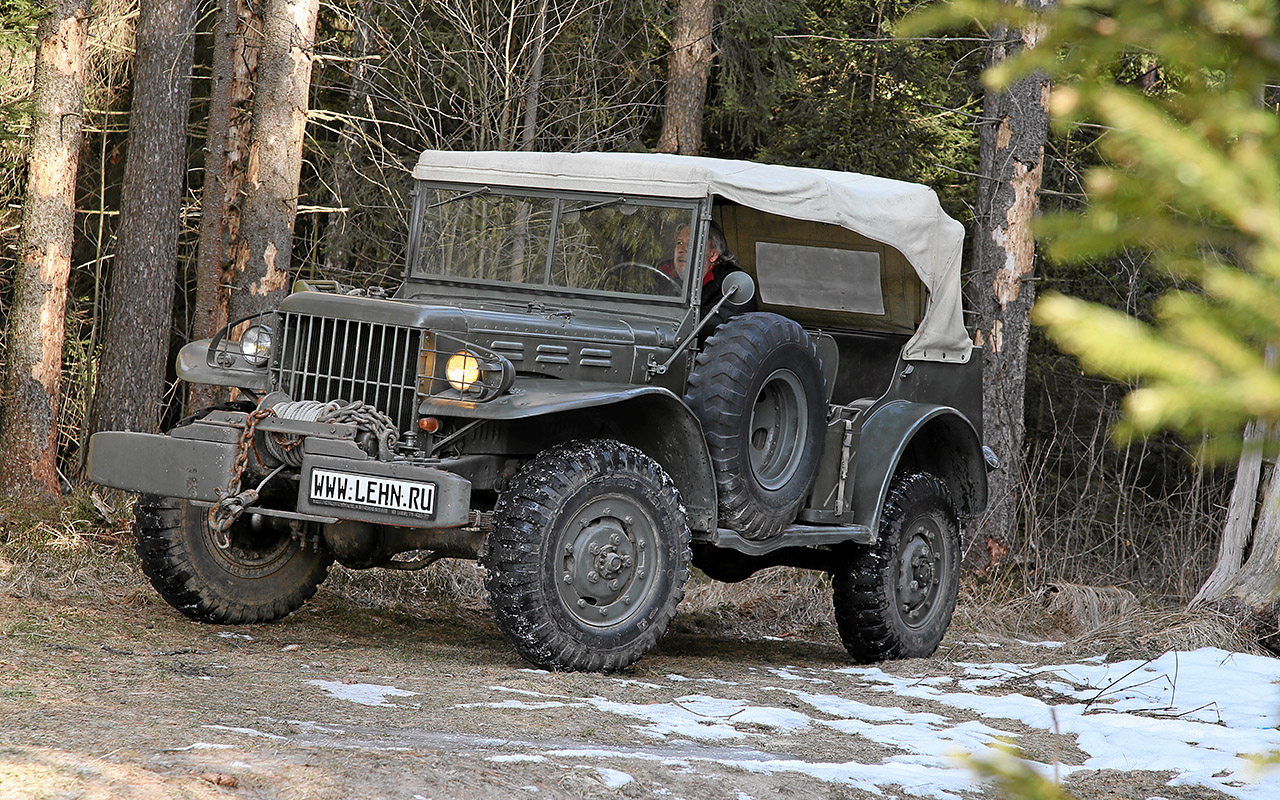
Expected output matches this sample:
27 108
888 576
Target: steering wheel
672 284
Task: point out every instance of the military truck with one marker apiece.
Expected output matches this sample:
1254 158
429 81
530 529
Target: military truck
545 394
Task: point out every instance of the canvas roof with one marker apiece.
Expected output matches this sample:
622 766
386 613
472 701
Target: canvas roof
905 216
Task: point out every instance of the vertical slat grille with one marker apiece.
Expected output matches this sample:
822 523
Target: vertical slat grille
321 358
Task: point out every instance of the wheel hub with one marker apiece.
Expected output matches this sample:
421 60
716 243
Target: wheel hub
919 577
603 562
778 420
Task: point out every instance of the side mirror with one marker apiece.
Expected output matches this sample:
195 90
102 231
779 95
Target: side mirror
738 288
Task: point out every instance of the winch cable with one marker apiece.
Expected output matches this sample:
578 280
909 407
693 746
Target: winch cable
285 448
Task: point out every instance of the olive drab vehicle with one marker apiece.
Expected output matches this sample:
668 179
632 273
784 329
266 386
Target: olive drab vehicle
546 393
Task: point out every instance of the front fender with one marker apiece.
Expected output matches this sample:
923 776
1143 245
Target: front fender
933 438
193 367
536 397
650 418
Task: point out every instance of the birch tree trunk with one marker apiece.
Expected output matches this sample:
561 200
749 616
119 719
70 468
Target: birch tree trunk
533 94
339 233
1245 582
1011 162
688 68
1241 511
32 378
135 353
275 156
236 45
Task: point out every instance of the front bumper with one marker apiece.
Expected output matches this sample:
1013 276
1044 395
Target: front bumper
387 493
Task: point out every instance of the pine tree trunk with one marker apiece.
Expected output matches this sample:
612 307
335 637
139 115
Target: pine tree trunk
135 352
32 378
1016 124
275 156
688 69
236 47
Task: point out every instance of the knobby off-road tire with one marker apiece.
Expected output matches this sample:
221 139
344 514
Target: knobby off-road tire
588 557
894 599
265 574
757 388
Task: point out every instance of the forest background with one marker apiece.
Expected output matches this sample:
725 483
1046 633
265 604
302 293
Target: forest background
818 83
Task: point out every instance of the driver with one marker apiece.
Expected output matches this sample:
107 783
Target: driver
720 261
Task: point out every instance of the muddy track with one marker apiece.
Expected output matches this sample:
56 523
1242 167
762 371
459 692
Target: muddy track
113 694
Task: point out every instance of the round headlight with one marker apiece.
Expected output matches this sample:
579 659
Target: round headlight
462 370
255 344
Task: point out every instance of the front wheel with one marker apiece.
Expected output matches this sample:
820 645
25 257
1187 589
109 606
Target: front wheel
588 557
894 599
265 574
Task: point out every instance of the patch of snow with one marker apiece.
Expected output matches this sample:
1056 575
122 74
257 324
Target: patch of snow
612 778
670 719
641 684
1041 644
521 705
788 675
529 693
201 746
315 726
1194 714
782 719
229 635
366 694
516 758
245 731
676 678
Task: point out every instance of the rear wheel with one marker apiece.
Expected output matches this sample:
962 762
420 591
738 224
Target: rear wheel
265 574
894 599
588 557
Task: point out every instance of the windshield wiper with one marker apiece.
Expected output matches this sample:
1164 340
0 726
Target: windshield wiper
463 196
593 206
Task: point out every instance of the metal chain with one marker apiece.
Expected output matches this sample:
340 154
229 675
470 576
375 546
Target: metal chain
232 502
367 418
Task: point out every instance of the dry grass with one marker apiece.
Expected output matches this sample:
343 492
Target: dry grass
78 546
1092 620
452 582
780 601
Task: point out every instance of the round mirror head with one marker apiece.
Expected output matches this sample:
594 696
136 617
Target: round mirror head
738 288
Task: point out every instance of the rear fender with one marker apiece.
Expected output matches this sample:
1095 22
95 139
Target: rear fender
931 438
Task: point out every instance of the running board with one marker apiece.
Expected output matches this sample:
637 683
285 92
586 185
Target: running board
793 536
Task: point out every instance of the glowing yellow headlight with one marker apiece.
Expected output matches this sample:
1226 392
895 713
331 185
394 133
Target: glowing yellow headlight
462 370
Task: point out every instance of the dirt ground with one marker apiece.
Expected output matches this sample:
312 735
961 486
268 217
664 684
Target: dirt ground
106 692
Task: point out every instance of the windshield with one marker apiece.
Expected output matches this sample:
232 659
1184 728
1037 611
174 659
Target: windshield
609 244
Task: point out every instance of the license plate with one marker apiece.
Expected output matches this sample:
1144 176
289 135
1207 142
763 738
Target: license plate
369 491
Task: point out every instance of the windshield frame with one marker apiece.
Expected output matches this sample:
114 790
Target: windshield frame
563 201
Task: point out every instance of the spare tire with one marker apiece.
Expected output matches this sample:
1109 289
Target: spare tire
757 388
